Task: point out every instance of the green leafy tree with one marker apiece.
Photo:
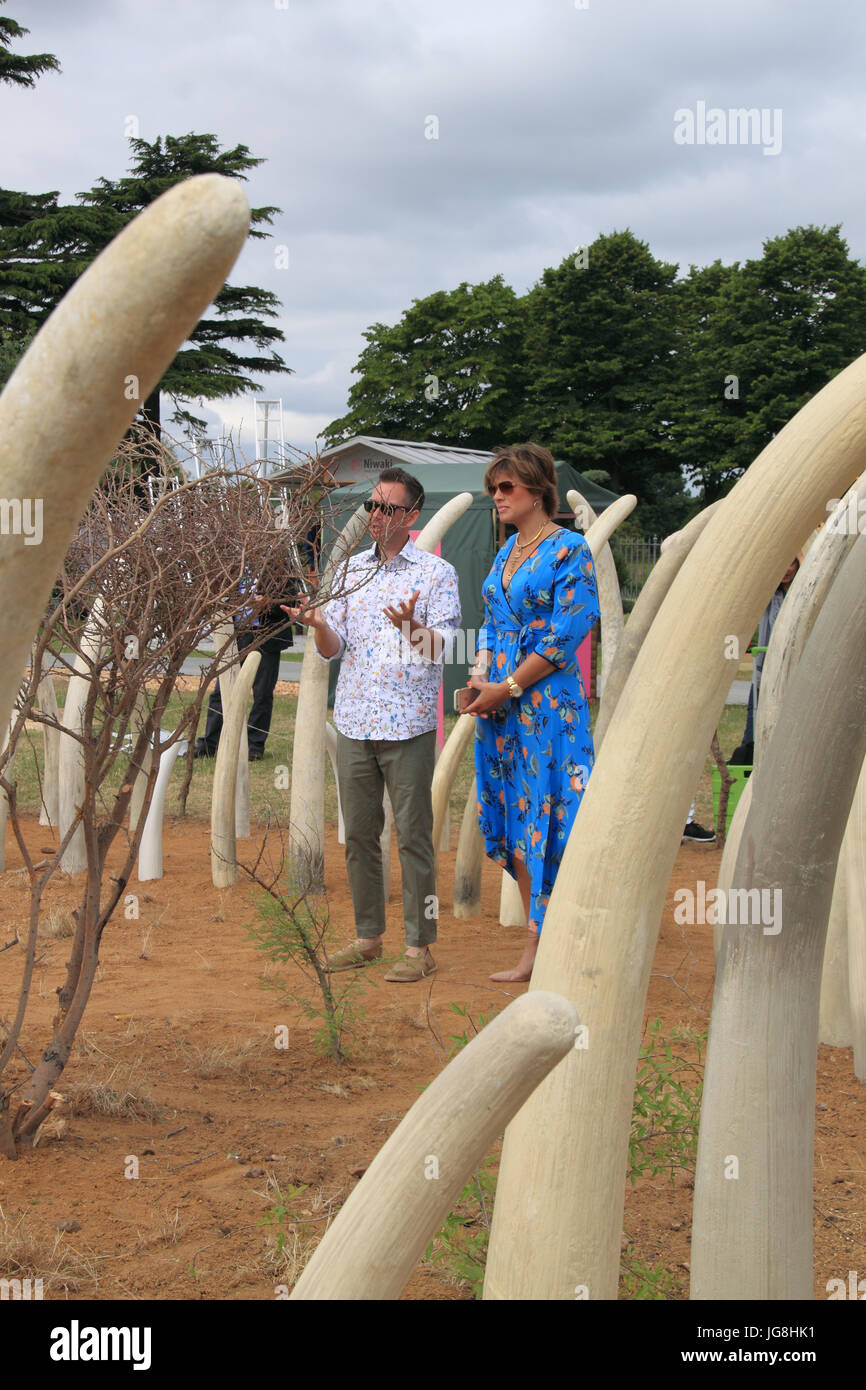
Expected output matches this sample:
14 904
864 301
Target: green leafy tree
16 67
601 331
449 371
43 253
756 342
18 208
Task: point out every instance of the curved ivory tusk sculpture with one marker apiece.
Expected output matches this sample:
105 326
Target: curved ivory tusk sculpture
385 844
650 600
431 535
752 1238
139 786
725 877
791 632
223 852
412 1183
797 616
103 350
242 775
469 861
835 1023
609 596
331 749
226 648
71 754
603 527
150 848
511 912
442 843
224 642
46 699
558 1215
4 804
855 865
307 804
428 539
447 764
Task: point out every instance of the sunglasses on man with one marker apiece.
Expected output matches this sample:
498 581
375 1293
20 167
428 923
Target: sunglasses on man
386 508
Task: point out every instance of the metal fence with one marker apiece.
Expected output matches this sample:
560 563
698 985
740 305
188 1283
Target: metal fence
634 557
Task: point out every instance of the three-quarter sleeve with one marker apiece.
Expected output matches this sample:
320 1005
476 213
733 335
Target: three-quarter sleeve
574 611
334 613
484 640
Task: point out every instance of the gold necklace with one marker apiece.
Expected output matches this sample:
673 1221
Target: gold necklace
515 559
532 540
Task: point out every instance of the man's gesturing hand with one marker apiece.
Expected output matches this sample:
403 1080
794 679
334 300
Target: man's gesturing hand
310 617
400 613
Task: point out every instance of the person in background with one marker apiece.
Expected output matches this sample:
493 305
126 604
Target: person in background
272 617
533 747
392 633
744 754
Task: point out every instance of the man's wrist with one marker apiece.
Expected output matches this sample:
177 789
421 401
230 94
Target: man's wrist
328 642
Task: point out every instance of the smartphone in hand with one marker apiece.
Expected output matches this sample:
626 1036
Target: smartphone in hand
463 696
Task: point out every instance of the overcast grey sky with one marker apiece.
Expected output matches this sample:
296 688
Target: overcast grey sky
556 122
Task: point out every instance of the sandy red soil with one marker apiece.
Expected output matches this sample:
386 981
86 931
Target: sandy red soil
184 981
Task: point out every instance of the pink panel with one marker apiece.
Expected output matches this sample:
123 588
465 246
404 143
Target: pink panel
584 661
440 728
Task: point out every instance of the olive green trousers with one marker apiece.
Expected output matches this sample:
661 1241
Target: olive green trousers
365 768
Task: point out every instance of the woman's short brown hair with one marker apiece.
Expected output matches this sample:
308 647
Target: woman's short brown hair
530 464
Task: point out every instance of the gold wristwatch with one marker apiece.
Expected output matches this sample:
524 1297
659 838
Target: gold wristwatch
515 689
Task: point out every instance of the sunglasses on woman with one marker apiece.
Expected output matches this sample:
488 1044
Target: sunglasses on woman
386 508
502 486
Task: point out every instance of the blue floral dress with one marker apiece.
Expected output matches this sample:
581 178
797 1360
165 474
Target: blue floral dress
533 756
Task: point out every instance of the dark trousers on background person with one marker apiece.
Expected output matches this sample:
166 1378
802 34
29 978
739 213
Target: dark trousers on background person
405 766
259 721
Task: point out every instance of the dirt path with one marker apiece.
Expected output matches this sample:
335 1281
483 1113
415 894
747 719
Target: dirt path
180 1026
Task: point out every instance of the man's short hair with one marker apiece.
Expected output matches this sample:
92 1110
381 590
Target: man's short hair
414 490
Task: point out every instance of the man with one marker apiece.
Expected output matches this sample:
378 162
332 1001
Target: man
273 618
391 633
745 753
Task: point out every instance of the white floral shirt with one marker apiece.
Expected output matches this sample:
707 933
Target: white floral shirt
386 689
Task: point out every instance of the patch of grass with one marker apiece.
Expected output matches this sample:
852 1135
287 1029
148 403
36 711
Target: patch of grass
171 1229
297 1224
25 1254
667 1104
642 1282
461 1243
57 924
115 1096
209 1060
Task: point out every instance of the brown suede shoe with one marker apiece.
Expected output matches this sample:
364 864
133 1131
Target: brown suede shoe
411 968
353 957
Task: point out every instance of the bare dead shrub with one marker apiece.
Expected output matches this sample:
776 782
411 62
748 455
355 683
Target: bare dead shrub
157 564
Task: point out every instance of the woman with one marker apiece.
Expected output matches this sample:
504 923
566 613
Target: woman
533 748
